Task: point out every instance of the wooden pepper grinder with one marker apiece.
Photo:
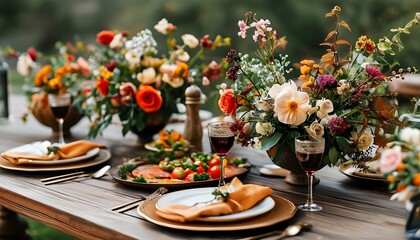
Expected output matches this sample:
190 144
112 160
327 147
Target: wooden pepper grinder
193 131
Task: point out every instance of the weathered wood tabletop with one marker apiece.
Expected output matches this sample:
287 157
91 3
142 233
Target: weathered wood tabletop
352 209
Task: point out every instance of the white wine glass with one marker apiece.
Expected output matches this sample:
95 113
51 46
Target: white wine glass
309 152
221 140
60 104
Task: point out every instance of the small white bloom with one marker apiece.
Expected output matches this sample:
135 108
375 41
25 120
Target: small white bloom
162 26
265 129
325 105
181 55
257 142
223 86
132 57
410 135
190 40
321 114
147 76
117 41
24 64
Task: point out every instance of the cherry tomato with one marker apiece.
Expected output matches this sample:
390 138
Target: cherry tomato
200 170
188 172
214 161
178 173
214 172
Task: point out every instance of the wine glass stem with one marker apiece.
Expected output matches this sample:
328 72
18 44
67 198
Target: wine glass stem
60 131
222 171
310 180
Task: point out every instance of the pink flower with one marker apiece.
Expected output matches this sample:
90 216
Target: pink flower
242 29
390 158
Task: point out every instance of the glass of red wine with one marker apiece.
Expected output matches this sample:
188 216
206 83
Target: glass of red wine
59 104
309 152
221 141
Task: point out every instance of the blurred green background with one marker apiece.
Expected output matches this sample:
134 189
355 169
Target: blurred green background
40 23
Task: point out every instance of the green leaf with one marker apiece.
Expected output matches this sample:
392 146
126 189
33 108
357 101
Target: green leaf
344 144
269 142
333 156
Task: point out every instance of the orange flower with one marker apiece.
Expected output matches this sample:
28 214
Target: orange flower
181 70
148 98
390 178
416 179
103 86
55 83
400 167
401 187
105 37
42 75
227 101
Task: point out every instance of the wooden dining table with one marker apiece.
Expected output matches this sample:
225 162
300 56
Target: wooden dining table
353 208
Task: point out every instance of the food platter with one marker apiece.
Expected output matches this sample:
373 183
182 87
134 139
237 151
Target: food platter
180 185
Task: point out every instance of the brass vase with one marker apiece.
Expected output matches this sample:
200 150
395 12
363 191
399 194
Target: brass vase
40 109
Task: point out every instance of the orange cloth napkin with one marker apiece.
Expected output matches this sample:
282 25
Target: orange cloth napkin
243 197
39 151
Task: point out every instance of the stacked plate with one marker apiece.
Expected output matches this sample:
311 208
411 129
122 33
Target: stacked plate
269 211
91 158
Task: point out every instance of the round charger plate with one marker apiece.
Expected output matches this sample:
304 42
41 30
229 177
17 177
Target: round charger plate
351 172
103 156
198 195
282 211
89 154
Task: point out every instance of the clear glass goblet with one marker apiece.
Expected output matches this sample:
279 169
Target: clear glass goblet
60 104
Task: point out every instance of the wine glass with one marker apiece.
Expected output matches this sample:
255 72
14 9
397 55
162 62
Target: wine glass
59 104
221 141
309 152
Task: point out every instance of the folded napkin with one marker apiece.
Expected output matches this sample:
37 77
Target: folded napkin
39 151
241 198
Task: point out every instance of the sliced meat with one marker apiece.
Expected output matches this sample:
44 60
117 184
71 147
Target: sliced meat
150 171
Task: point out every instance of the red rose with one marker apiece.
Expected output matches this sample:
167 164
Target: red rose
105 37
227 102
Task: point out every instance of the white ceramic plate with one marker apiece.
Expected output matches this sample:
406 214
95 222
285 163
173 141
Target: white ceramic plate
103 156
89 154
196 195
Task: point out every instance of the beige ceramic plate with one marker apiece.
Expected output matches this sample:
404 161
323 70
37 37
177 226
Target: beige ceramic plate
88 155
102 156
283 210
350 171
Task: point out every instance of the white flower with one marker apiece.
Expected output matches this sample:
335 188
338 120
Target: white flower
132 57
390 158
117 41
315 130
162 26
257 142
181 55
168 71
190 40
410 135
325 105
24 64
291 105
265 129
147 76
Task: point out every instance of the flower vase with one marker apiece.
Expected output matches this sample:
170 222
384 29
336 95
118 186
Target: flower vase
40 109
284 156
154 123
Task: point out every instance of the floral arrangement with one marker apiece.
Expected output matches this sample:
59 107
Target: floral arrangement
400 161
51 74
343 98
135 83
57 73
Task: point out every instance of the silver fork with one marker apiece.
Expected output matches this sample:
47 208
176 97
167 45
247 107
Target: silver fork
132 204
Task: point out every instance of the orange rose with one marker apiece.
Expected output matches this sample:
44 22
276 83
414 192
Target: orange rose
148 98
103 86
105 37
227 101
